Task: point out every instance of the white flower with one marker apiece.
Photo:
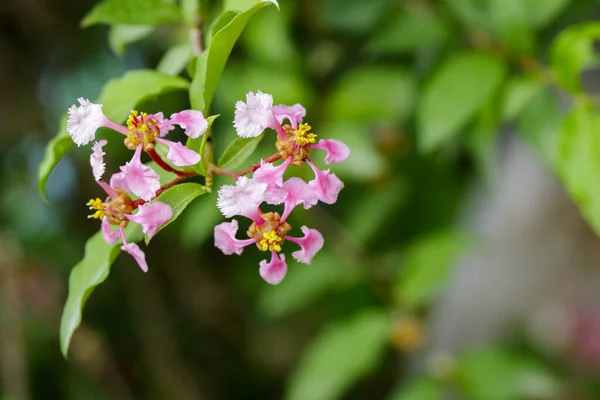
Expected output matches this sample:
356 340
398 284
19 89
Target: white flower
84 120
255 115
241 199
97 159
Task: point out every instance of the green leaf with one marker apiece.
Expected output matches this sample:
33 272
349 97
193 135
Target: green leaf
91 271
573 51
94 268
178 197
190 9
579 160
517 94
119 97
542 13
340 356
210 64
426 266
199 144
495 373
373 94
119 36
175 59
410 31
238 151
423 389
458 89
132 12
305 284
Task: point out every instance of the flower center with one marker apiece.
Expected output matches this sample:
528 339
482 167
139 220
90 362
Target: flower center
142 130
112 209
297 144
270 235
270 242
303 135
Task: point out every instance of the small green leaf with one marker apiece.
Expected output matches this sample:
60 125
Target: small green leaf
458 89
219 22
94 268
199 144
572 52
118 97
91 271
178 197
427 264
133 12
238 151
579 160
190 10
495 373
340 356
119 36
210 64
175 59
422 389
517 94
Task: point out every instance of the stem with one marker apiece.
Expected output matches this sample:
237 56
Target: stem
196 40
161 163
183 176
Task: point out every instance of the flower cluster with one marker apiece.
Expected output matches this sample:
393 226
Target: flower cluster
136 184
269 230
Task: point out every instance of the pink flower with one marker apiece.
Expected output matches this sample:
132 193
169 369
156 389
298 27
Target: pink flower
242 199
337 151
109 236
151 216
325 186
180 155
192 121
138 178
273 176
274 271
295 114
97 159
85 119
310 245
255 115
225 238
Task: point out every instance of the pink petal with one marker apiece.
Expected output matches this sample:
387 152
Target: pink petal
274 271
255 115
119 181
295 114
297 192
134 250
180 155
192 121
97 159
142 180
325 186
109 237
225 238
151 216
310 245
242 199
337 151
273 177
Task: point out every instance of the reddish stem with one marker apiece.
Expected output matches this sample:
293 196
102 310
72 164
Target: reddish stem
184 176
234 175
161 163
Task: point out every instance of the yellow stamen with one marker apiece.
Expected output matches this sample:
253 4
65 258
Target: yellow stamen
270 242
303 136
98 205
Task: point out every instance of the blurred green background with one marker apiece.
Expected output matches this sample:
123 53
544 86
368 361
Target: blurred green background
451 111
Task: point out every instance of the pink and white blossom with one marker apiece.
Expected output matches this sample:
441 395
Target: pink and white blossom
192 121
255 115
138 178
274 271
297 192
337 151
294 114
310 245
243 198
179 154
273 176
152 216
97 159
326 186
226 241
85 119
